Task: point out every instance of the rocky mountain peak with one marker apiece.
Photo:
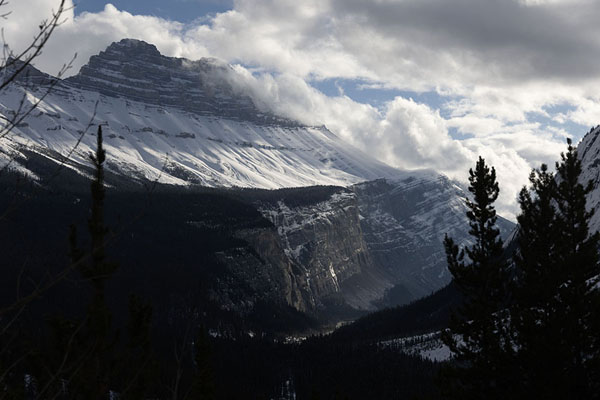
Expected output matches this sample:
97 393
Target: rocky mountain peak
133 47
136 70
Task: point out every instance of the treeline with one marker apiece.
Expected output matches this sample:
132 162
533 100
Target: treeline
429 314
292 197
319 368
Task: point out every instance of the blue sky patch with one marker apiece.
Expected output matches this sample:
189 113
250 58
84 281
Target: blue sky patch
177 10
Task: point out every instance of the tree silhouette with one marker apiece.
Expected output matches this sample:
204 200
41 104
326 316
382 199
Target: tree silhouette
476 332
554 313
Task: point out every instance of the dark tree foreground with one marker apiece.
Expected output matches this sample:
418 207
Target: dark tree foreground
476 334
85 356
556 309
530 329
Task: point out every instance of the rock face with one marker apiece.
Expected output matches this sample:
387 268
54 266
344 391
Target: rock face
404 223
136 70
368 239
324 242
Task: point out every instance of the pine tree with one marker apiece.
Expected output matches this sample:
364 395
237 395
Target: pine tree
535 324
579 263
203 385
87 355
97 338
554 313
476 332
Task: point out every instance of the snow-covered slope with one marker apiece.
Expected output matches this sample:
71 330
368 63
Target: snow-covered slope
181 122
589 153
428 346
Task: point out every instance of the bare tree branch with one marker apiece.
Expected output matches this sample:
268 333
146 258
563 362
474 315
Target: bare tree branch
21 60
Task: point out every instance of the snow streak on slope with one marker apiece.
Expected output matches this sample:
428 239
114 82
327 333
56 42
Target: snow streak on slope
143 140
182 120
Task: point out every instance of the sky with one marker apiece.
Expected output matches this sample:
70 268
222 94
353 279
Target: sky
416 83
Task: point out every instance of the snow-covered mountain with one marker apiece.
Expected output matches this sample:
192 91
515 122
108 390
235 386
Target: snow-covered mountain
181 122
185 122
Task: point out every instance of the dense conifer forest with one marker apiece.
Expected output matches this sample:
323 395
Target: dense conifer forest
142 323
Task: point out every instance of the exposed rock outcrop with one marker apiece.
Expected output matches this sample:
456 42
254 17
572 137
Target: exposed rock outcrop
136 70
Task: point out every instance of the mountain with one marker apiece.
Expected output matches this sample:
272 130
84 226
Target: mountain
181 122
369 236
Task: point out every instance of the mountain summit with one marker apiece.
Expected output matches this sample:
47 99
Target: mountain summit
136 70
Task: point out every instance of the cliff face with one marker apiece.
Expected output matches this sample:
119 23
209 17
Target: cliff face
136 70
404 224
324 241
377 243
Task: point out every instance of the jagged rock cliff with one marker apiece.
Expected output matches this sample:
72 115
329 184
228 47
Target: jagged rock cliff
136 70
366 240
325 242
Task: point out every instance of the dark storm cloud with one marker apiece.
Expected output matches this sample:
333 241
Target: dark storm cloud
516 41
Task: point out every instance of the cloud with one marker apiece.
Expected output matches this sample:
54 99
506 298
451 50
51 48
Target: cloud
513 75
414 135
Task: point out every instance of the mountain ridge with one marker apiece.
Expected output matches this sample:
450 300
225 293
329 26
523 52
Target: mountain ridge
211 133
383 230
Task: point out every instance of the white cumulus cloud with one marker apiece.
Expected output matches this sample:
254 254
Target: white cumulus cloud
513 76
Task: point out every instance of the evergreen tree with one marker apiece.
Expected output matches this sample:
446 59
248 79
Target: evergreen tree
476 333
106 364
203 385
138 368
535 321
93 380
555 308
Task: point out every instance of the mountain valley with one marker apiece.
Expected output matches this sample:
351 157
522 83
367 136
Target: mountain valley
373 241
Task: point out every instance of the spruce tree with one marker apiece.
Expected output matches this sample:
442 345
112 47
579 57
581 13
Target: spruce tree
97 337
554 318
476 332
579 263
535 322
203 385
98 363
